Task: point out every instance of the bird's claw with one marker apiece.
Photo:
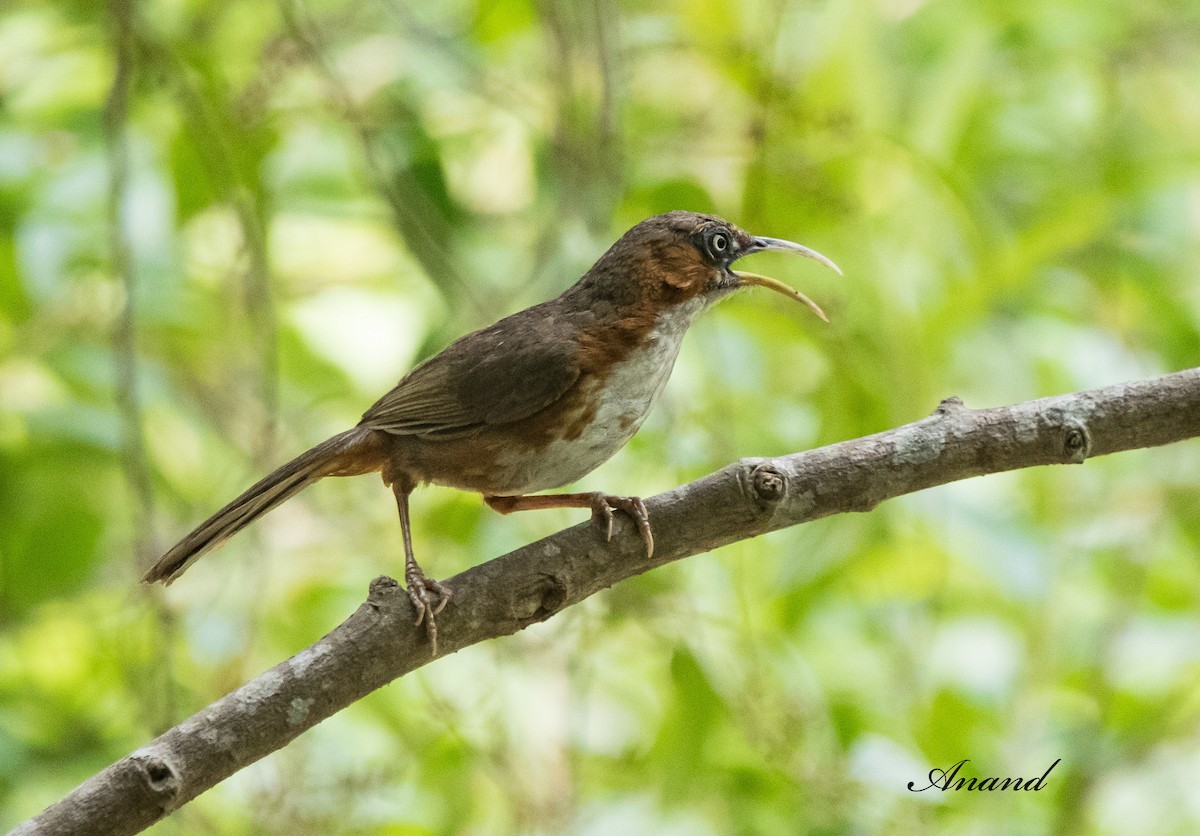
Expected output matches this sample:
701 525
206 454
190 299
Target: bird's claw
429 598
603 506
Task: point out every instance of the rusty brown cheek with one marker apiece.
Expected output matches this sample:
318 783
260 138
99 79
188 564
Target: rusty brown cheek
681 266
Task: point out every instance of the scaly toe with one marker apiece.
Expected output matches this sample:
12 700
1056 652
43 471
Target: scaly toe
443 593
604 505
429 598
420 600
601 509
643 523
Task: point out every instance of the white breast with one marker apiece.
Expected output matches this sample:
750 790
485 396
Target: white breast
631 390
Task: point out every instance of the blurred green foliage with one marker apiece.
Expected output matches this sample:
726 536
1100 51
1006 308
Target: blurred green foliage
318 193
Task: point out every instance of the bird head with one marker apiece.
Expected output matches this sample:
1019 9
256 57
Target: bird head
679 257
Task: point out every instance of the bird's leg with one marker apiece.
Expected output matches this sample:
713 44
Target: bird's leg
602 506
428 596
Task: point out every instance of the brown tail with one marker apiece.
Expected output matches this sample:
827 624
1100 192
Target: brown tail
279 486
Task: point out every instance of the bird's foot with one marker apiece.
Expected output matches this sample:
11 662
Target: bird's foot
428 597
603 506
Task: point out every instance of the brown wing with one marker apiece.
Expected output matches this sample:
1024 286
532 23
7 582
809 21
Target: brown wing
504 373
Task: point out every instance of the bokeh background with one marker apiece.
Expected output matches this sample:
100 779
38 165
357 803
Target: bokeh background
227 226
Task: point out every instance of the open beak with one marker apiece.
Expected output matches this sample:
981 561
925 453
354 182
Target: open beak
762 244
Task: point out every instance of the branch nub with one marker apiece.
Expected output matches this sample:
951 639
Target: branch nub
769 484
948 405
1077 443
159 776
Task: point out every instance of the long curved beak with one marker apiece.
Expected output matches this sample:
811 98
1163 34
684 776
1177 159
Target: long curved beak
763 244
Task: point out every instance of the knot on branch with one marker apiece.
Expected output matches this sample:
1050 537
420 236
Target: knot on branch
548 595
158 776
382 586
769 484
380 589
1077 442
949 405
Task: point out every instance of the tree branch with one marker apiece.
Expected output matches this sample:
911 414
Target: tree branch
378 642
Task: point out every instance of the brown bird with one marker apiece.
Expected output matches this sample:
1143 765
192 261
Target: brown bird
533 402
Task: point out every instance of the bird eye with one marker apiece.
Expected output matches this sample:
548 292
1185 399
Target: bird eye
719 242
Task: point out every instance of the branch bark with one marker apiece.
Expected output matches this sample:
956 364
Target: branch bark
377 643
